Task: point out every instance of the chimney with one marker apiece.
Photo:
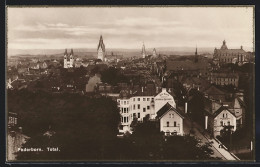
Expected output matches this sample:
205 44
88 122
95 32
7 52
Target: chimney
156 89
186 107
206 122
142 89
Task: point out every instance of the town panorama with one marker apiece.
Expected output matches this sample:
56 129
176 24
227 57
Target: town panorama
144 104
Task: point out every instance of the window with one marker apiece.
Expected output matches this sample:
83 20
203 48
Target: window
226 115
124 110
134 106
228 123
148 107
138 106
134 115
138 99
174 123
167 124
223 115
124 102
144 109
221 123
126 119
133 99
148 99
170 115
127 102
143 99
138 114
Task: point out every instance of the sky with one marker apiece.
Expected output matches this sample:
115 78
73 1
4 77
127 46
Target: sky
129 27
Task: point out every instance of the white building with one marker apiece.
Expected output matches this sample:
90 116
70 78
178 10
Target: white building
140 104
221 118
68 59
171 120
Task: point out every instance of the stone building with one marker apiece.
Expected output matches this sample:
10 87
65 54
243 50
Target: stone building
223 79
68 59
224 55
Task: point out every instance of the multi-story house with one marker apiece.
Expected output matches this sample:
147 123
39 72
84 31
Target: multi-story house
140 104
224 78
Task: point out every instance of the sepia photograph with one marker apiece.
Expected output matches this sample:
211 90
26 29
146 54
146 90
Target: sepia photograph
130 83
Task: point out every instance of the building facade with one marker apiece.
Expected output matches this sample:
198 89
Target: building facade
139 106
101 51
224 78
171 121
221 118
68 59
224 55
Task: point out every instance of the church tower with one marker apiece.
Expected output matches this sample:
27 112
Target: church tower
101 49
71 59
196 55
65 59
154 53
143 51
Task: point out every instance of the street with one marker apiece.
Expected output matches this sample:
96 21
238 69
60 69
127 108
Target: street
217 152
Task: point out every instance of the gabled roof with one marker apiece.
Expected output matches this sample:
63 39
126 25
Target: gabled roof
213 90
220 110
167 107
241 102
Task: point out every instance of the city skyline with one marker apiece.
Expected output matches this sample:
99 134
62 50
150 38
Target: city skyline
129 27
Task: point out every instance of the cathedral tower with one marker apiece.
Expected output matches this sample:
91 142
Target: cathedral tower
65 59
71 59
101 49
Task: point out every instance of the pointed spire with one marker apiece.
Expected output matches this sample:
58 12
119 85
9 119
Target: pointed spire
65 53
196 52
71 52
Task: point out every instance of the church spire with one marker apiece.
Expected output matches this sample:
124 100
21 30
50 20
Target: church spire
196 55
65 53
101 49
71 52
143 51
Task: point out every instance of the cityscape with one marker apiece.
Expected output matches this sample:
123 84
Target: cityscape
140 95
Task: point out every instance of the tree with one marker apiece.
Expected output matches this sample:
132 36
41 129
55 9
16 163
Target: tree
85 128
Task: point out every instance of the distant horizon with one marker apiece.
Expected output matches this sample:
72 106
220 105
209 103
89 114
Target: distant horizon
129 27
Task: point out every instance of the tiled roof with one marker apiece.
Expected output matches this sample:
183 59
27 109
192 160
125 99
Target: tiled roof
230 51
166 108
221 109
186 65
213 90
